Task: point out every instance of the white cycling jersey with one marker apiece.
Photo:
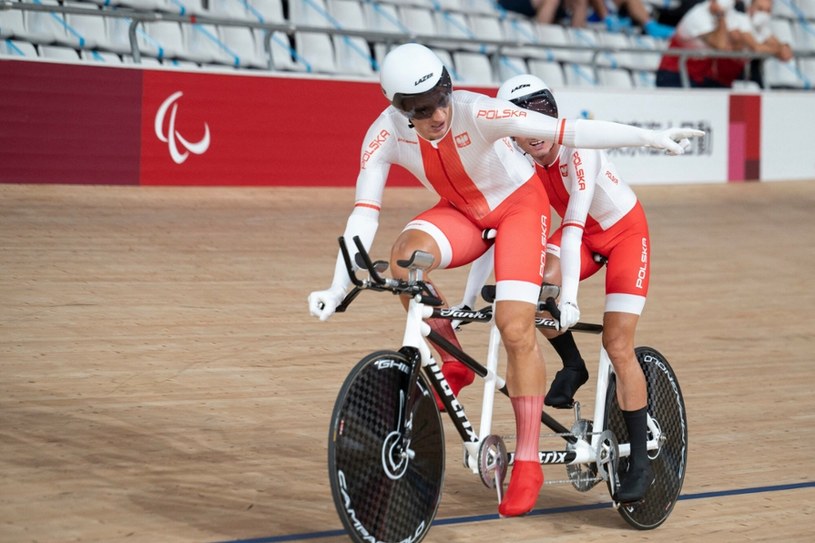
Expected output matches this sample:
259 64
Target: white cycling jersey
585 189
475 165
598 210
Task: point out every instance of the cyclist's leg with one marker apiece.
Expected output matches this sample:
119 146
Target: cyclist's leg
574 373
666 408
526 382
520 254
626 287
453 240
618 340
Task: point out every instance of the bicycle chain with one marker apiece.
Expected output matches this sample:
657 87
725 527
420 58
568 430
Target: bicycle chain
596 479
561 434
569 481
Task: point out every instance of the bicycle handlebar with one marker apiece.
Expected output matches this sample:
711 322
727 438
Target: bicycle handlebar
428 296
376 281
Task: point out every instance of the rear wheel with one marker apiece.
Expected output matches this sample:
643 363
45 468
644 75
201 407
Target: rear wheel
385 479
667 408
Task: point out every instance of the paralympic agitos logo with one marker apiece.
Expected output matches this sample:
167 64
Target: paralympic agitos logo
179 147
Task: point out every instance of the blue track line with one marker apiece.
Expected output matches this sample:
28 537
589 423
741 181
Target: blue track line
535 512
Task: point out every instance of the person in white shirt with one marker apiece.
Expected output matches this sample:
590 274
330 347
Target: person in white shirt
750 31
717 25
457 143
703 27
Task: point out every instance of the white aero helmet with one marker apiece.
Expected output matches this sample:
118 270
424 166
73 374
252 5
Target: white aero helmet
415 81
529 92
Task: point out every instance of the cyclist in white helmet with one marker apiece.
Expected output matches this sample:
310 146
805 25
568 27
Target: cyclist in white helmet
457 143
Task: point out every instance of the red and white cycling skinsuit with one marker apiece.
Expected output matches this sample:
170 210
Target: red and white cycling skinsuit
588 193
483 181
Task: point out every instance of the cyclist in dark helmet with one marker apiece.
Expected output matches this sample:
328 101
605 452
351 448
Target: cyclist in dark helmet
457 143
600 215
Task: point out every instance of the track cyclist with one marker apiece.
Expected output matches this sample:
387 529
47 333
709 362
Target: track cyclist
457 143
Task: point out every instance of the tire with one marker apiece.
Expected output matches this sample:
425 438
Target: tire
667 407
378 493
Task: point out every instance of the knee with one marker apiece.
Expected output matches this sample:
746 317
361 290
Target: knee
404 247
620 350
517 334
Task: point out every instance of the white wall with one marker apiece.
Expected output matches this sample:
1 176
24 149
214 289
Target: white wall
787 136
787 132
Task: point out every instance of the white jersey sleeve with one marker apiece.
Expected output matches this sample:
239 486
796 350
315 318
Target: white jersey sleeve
498 119
584 167
378 153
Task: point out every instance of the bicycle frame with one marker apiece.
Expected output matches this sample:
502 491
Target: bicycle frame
415 346
385 420
583 452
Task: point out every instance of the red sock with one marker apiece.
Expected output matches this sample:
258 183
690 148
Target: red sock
527 426
527 475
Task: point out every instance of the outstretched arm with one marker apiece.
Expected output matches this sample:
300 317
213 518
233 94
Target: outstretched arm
604 134
504 119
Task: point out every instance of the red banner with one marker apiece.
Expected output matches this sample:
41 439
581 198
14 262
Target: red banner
745 138
95 124
63 123
206 129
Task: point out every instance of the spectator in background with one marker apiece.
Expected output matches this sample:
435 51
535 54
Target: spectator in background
716 24
550 11
703 27
619 14
751 31
673 12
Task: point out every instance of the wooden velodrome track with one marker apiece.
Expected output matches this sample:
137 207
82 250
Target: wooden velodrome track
162 381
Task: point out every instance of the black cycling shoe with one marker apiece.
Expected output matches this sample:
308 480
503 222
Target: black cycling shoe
634 484
566 382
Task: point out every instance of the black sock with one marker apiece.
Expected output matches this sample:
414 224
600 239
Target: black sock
567 350
636 422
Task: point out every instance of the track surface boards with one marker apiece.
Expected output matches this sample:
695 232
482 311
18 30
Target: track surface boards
162 381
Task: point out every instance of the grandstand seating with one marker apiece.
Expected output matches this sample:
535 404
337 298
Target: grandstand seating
474 68
551 72
480 42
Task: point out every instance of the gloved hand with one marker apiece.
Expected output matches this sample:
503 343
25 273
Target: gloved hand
675 141
569 315
323 303
456 323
